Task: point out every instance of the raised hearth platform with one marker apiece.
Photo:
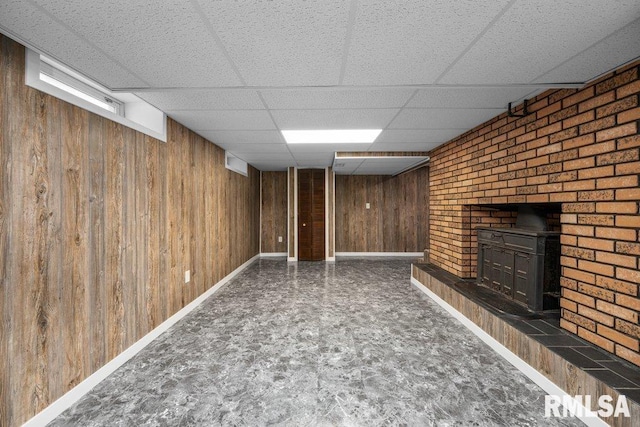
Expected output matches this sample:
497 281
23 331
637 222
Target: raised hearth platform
574 365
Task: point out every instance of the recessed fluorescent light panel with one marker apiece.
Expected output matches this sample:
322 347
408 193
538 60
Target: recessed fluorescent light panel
331 136
82 95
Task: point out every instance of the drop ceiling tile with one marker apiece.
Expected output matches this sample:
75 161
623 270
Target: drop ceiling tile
258 157
393 136
365 169
466 97
333 119
388 161
226 147
314 156
258 149
325 148
273 165
532 38
386 166
223 119
244 136
412 42
283 42
346 166
443 118
143 35
36 28
374 166
611 52
411 146
318 164
336 98
204 99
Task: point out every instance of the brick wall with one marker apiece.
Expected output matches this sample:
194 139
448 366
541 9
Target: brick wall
579 149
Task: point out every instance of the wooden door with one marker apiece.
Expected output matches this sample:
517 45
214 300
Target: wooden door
311 215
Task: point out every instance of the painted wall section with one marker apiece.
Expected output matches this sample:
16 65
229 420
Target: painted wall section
579 149
397 218
98 224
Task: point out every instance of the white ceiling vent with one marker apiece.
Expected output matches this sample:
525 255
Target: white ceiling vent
235 164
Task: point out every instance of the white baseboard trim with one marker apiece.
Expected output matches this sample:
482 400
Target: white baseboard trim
543 382
382 254
293 259
272 254
72 396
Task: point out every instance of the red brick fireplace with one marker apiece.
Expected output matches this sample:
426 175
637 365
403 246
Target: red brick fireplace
579 149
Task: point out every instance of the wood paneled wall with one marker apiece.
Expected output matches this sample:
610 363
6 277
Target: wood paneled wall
98 224
292 209
397 220
331 214
274 212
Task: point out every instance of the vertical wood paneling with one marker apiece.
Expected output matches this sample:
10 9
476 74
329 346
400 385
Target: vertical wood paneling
188 200
41 284
198 235
129 223
55 311
218 156
174 191
18 321
114 177
76 242
96 293
97 225
318 213
371 223
209 217
223 241
331 213
397 219
6 223
252 196
143 240
160 199
154 286
36 187
274 212
5 226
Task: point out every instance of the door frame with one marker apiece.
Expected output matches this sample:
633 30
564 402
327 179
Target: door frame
292 214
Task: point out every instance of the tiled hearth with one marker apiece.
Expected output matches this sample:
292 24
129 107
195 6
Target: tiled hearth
575 365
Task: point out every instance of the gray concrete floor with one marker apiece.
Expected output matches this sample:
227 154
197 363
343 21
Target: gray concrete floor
348 344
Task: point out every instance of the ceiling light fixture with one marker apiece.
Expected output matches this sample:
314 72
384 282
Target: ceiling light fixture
331 136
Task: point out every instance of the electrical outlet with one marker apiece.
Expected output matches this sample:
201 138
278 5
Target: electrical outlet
279 239
187 276
368 206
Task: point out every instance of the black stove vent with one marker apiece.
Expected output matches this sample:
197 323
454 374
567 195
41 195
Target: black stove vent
531 218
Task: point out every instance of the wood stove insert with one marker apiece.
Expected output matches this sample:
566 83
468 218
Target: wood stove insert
523 262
